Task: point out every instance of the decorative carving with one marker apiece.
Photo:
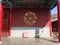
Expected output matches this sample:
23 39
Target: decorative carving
30 18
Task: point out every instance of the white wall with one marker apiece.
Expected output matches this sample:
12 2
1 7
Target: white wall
32 31
17 32
44 32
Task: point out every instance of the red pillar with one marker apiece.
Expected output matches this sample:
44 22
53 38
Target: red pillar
50 23
10 20
50 28
58 7
1 11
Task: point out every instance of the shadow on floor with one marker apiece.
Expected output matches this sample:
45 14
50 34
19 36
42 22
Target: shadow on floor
55 40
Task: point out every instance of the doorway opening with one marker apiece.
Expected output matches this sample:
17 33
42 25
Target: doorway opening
55 27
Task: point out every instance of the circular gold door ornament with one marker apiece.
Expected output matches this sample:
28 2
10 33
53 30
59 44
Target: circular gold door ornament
30 18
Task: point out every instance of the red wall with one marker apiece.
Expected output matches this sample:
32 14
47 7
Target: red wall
43 17
26 0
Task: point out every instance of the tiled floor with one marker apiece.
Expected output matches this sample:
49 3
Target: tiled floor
28 41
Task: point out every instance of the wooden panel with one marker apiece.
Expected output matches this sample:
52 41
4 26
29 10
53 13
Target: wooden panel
5 22
18 17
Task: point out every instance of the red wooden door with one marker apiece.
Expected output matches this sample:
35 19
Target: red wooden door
5 23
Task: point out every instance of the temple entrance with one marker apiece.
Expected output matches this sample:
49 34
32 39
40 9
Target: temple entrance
55 25
5 23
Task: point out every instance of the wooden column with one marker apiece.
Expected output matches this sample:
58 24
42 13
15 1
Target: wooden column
1 11
50 24
58 7
10 20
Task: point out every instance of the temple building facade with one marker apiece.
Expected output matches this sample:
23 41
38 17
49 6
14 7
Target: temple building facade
27 18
